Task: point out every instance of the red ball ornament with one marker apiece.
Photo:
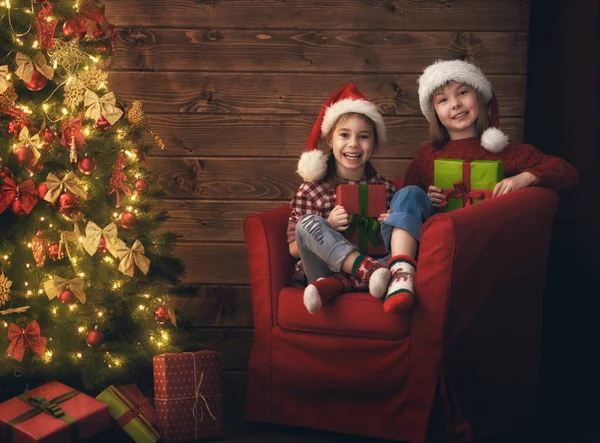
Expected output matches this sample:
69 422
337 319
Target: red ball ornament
49 135
141 186
67 297
6 173
42 189
75 27
68 203
102 245
17 208
54 251
36 167
86 165
161 315
24 155
127 219
37 82
103 124
94 338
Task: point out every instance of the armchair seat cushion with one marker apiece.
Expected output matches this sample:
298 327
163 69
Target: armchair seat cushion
355 314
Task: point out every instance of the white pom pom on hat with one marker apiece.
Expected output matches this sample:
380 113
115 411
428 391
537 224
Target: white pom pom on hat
312 165
441 72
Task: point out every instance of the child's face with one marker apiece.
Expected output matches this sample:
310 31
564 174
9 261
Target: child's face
352 142
457 108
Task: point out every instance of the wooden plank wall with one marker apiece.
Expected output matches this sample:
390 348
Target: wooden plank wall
233 87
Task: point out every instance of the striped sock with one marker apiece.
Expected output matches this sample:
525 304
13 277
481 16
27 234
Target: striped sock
400 293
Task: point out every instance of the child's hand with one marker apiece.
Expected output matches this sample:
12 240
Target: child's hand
436 196
338 218
383 217
510 184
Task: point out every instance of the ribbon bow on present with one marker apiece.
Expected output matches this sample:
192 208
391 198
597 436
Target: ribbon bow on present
22 339
104 105
93 233
56 285
368 230
132 257
4 83
25 193
69 182
31 142
26 66
461 191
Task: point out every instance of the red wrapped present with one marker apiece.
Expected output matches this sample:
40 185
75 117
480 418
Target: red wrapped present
364 203
187 395
52 413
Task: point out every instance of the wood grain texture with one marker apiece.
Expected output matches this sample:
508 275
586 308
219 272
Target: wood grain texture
243 136
157 49
279 94
372 14
214 263
207 220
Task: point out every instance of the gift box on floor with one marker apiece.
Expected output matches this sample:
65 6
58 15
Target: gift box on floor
52 413
466 182
364 203
187 395
139 400
128 413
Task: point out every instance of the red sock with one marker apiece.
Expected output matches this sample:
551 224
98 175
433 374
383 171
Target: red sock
325 289
364 266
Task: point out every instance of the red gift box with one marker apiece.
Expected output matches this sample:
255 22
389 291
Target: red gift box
187 395
366 203
52 413
139 401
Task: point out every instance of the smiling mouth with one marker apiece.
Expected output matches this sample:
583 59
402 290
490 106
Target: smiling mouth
353 156
459 116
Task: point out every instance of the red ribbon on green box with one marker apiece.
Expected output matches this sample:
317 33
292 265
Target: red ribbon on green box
466 182
368 227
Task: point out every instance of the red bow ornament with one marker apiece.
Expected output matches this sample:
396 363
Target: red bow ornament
25 194
461 191
23 339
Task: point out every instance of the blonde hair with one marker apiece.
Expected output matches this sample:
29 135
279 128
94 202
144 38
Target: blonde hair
331 177
437 132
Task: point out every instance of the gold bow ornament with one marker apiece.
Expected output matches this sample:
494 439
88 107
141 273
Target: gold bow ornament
32 142
69 182
70 236
132 257
57 284
4 83
105 105
26 65
93 233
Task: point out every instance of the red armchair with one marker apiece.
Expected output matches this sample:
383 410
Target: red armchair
462 364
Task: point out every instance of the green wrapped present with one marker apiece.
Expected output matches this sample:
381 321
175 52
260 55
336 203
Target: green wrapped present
466 182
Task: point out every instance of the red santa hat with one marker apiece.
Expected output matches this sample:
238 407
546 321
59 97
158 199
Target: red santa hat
312 165
444 71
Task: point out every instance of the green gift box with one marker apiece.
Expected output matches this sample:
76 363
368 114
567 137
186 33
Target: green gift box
466 182
128 415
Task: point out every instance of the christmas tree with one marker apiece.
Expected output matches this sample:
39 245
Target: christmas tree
85 272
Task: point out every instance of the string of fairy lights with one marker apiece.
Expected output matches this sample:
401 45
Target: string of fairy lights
69 62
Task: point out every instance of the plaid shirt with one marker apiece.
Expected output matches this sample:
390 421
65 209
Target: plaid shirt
318 198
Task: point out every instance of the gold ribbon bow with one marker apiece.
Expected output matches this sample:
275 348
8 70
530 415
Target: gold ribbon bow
131 257
104 105
4 83
56 285
32 142
25 66
70 236
69 182
93 234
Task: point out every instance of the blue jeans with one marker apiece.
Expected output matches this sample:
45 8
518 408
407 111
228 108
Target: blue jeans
410 207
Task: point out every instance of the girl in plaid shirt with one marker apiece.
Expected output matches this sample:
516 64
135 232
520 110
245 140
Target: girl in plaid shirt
353 129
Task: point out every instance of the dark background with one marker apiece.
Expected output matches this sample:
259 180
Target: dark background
561 118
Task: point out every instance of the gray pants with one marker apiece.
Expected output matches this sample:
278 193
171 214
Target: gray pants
322 249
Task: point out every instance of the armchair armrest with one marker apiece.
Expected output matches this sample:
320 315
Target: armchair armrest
480 279
270 263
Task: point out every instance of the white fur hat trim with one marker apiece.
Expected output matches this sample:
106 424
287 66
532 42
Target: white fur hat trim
312 165
444 71
348 105
494 140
